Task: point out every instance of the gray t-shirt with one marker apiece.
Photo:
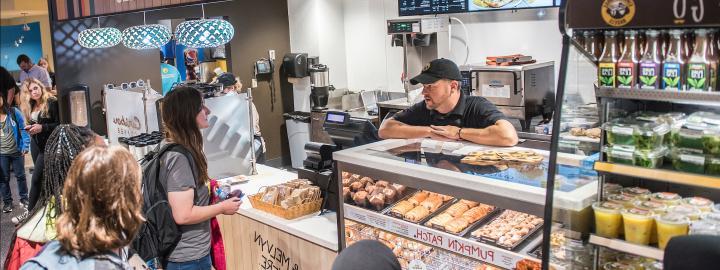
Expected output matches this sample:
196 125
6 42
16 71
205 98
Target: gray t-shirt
195 240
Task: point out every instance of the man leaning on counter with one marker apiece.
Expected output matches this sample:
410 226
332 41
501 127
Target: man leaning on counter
448 114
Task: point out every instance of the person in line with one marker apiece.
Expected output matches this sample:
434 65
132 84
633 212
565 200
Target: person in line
43 62
105 207
30 71
183 114
366 254
8 86
448 114
63 146
41 109
14 144
232 86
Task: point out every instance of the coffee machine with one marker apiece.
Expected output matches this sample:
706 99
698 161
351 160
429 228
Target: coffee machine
319 86
299 65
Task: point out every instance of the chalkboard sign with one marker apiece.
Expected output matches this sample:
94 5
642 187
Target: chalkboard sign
607 14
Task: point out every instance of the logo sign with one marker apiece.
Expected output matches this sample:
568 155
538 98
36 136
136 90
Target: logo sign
618 12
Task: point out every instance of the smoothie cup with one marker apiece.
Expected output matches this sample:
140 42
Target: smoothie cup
690 211
624 200
637 192
701 203
610 188
667 198
638 225
669 226
658 209
608 221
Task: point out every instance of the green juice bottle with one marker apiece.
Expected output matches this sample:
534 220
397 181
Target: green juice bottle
608 60
627 65
698 68
675 61
649 74
714 58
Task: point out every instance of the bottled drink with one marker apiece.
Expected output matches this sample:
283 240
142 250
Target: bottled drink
698 68
591 45
627 65
608 60
651 61
714 58
675 61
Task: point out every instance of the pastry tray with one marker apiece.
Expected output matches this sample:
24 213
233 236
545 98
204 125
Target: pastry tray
492 242
536 252
442 207
408 192
465 231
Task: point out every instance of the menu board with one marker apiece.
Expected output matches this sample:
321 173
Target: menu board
429 7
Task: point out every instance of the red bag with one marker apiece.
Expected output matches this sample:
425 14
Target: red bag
21 251
217 248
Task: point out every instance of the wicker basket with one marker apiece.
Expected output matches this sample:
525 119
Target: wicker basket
290 213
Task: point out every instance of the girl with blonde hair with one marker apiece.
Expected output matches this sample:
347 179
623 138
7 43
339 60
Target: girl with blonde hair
40 108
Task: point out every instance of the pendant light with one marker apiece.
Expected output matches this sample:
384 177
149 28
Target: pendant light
146 36
94 38
204 33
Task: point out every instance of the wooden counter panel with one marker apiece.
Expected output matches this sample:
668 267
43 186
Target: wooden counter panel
251 245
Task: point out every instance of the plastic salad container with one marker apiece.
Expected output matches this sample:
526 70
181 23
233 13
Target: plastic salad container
701 132
687 161
620 132
712 165
650 159
651 135
620 155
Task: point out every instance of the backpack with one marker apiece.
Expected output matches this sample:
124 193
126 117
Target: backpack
53 256
159 235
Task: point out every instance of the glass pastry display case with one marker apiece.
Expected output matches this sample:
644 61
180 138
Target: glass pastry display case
466 206
650 69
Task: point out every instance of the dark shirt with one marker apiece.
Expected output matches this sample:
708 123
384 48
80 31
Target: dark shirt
470 112
49 122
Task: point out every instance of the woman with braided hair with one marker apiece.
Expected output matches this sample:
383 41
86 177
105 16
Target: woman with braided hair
63 145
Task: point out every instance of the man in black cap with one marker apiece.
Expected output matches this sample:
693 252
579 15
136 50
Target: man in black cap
365 255
448 114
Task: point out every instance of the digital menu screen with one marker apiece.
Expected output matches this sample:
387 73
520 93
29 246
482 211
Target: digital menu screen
425 7
429 7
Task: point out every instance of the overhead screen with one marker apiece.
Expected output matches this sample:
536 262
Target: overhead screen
430 7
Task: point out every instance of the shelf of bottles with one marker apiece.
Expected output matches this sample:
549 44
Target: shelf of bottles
656 90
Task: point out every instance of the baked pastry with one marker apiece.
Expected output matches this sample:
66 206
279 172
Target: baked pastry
477 213
419 197
382 183
456 225
370 188
366 180
356 186
347 195
469 203
439 220
360 198
377 201
576 131
401 208
346 175
390 195
432 203
399 188
417 214
457 209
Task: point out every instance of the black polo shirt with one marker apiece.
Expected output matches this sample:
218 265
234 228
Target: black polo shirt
470 112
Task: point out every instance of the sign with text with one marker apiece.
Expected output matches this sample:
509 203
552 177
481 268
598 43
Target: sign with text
459 245
603 14
75 9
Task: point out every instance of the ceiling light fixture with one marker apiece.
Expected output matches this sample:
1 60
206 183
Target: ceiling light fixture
146 36
26 27
95 38
204 33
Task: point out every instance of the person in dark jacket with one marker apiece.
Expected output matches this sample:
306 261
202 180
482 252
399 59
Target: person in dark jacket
692 252
41 111
366 254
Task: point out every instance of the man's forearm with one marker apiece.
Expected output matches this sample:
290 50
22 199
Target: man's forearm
496 135
394 129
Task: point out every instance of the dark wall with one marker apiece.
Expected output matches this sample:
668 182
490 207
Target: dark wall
259 27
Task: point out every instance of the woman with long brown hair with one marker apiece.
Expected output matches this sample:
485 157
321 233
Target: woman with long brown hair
183 114
41 111
102 212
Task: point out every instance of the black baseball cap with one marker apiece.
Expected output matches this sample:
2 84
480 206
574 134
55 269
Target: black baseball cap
438 69
227 79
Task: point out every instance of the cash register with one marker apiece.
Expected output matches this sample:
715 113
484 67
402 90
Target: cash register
345 132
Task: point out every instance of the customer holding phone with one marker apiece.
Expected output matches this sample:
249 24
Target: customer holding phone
41 110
